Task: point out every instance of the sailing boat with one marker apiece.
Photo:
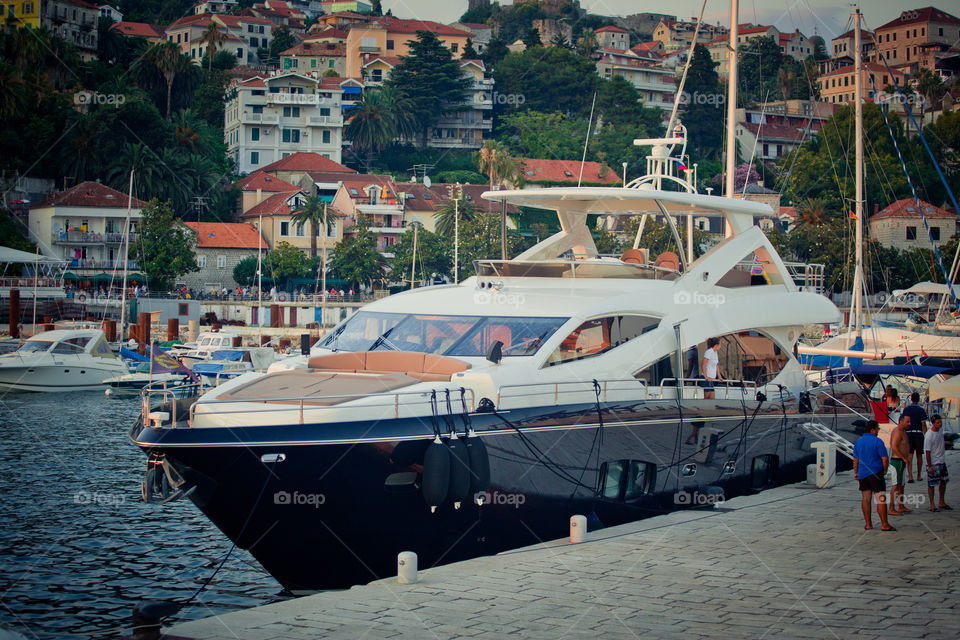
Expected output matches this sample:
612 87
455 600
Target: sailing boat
878 342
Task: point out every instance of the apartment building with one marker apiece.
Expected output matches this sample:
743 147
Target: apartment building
266 119
85 225
220 247
14 15
612 38
73 20
245 35
389 36
214 6
917 38
677 35
838 86
315 56
653 82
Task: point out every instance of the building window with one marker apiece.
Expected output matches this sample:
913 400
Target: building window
300 230
376 75
284 228
202 262
221 262
291 135
934 233
331 64
255 134
258 108
911 233
389 45
291 112
326 137
454 47
254 157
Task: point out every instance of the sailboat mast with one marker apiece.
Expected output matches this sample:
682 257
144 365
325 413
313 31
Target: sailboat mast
124 256
413 265
260 282
731 107
858 105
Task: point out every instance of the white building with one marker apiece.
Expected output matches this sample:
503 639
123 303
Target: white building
106 11
85 226
653 81
467 129
266 119
214 6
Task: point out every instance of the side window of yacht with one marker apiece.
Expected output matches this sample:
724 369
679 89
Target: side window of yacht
71 345
657 372
204 342
596 336
102 349
747 355
627 480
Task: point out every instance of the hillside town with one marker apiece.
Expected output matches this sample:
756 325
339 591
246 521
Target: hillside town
254 120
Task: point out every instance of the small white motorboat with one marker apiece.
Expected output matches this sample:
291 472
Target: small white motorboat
61 360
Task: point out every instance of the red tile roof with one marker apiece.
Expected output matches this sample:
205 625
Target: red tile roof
336 176
647 46
610 29
226 235
774 131
789 212
398 25
234 21
90 194
265 182
864 35
746 31
329 32
537 170
275 205
390 61
333 49
907 208
472 194
305 161
914 16
138 29
474 25
867 66
198 19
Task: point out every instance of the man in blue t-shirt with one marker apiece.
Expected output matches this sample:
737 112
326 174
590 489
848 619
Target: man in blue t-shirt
870 461
915 431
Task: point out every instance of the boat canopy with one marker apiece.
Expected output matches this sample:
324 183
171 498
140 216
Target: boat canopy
912 370
8 254
230 355
133 355
924 288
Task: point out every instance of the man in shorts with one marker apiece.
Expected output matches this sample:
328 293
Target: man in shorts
934 451
899 452
869 467
710 368
915 431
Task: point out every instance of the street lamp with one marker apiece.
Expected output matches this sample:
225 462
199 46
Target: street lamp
456 193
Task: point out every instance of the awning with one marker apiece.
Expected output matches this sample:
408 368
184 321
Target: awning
232 355
102 277
8 254
912 370
925 288
69 275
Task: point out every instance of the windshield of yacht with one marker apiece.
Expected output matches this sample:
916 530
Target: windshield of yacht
441 335
34 346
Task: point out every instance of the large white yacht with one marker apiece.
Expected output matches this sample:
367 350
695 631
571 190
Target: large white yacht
61 360
461 420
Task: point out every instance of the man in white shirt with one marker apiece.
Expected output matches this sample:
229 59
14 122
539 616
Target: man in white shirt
711 368
935 453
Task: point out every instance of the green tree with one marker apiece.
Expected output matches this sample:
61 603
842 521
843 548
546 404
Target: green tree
703 113
532 38
164 246
245 271
495 52
284 262
495 161
169 61
758 77
356 259
444 218
431 80
434 255
282 40
533 134
311 213
929 85
587 44
552 79
374 122
469 52
214 37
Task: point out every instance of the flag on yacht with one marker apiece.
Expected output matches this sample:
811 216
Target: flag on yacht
162 362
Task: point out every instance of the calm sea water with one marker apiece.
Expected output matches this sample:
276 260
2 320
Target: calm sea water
78 548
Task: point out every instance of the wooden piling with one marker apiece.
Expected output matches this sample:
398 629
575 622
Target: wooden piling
14 313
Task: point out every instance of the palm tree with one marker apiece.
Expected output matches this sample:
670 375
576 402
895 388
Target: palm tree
373 124
929 85
143 161
311 211
587 43
214 38
494 161
13 99
813 211
167 58
786 78
444 219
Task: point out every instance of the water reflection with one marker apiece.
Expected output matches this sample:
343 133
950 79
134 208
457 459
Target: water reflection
78 549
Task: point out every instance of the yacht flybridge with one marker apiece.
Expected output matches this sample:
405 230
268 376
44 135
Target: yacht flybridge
466 419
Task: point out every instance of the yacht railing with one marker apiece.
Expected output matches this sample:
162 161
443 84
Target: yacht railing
694 385
557 387
306 401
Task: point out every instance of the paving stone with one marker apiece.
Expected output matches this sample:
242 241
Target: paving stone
787 562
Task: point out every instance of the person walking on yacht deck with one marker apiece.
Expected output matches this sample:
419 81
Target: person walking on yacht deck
711 368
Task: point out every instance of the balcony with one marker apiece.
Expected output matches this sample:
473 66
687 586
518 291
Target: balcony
455 143
81 264
77 237
117 238
332 121
259 118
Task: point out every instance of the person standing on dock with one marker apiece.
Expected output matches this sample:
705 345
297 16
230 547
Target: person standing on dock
899 452
935 452
869 467
915 431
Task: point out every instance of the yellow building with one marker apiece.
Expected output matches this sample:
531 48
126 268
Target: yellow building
21 14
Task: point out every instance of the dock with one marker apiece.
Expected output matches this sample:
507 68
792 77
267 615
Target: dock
793 561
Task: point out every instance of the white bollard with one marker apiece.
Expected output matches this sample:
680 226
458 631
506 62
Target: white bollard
406 567
578 529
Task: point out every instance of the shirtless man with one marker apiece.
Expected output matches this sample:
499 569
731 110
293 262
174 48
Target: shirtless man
899 454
